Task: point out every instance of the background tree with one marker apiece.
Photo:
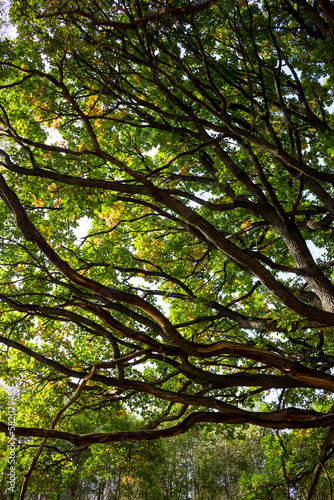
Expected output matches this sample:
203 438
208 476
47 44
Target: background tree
197 140
202 464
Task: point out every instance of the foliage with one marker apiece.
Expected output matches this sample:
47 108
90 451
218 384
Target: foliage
201 464
196 141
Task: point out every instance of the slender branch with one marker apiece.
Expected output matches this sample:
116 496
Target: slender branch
54 421
327 446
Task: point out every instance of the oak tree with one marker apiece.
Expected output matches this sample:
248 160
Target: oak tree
195 139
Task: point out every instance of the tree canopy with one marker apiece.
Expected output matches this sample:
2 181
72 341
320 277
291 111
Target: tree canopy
196 140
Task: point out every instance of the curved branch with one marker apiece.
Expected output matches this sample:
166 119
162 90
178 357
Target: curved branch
289 418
